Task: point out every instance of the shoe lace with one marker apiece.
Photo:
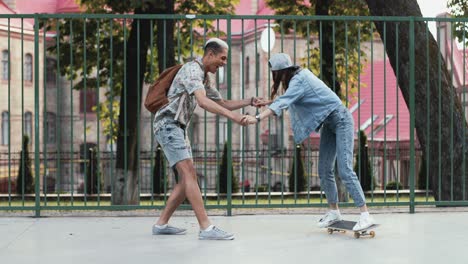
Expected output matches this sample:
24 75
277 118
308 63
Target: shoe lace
326 216
220 231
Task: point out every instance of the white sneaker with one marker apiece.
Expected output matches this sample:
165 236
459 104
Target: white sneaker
215 233
329 218
363 223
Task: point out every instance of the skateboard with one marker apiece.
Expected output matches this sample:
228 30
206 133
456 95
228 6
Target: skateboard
343 226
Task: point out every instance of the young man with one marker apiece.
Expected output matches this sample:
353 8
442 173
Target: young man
189 88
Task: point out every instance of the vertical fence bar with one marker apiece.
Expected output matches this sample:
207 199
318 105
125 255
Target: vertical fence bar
385 112
125 113
397 71
58 140
36 116
428 107
111 86
9 113
412 113
44 114
229 124
98 109
138 105
257 126
23 115
72 154
152 147
85 112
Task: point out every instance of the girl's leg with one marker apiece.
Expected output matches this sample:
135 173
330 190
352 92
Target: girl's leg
345 146
326 167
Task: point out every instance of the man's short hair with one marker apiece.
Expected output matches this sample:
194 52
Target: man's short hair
216 45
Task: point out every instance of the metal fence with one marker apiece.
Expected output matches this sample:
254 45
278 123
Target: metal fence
63 77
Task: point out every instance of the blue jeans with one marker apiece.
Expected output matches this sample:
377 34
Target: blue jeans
337 143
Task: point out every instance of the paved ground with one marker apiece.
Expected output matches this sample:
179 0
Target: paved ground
424 237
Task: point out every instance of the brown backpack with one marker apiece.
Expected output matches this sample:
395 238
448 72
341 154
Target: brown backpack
156 97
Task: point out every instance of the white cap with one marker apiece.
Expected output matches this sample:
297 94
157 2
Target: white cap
280 61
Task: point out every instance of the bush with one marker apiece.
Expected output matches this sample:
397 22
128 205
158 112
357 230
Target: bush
25 181
297 176
392 185
93 182
422 178
223 175
365 173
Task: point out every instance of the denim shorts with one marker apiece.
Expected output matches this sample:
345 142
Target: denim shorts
171 138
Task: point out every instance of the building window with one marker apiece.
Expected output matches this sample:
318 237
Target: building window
51 72
28 72
28 125
5 65
5 128
50 127
87 100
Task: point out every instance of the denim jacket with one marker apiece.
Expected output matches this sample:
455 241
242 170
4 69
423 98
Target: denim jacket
309 101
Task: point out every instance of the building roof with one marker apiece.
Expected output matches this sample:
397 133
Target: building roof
14 23
380 96
47 6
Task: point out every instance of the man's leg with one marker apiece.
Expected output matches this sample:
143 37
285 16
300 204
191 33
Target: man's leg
175 199
188 180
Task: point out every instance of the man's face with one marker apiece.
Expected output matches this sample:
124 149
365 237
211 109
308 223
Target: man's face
216 60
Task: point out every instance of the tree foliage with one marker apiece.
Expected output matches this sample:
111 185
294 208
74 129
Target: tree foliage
343 40
90 52
119 54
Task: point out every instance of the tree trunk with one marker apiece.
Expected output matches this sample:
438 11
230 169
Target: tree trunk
447 155
126 178
165 36
321 8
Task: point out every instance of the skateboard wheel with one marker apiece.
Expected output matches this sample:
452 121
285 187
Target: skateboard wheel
372 234
356 235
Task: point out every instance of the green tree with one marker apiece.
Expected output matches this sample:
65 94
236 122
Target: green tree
223 174
297 179
25 180
126 59
363 167
436 102
336 55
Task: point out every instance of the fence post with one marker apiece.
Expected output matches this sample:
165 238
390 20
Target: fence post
36 118
412 113
229 125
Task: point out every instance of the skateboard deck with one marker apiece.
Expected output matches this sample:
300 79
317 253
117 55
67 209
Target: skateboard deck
344 225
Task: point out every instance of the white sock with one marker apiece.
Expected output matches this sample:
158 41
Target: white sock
209 228
365 214
161 226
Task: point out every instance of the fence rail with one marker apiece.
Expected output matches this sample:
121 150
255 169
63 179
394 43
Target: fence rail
66 79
